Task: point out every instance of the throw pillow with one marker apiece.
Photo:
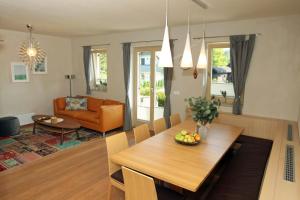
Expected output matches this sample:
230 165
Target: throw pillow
73 103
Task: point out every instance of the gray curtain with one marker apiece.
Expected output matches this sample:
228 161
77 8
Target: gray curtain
86 64
126 66
168 76
241 49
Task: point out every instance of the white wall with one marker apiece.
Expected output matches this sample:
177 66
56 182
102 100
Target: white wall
272 87
37 95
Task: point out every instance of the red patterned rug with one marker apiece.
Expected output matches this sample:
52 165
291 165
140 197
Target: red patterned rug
26 147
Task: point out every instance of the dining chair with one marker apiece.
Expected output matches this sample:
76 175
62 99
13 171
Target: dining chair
159 125
141 133
175 119
115 144
139 186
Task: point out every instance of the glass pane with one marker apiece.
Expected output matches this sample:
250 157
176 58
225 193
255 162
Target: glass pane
143 86
159 90
221 72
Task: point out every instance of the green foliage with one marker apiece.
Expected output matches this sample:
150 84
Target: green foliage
204 111
220 57
160 97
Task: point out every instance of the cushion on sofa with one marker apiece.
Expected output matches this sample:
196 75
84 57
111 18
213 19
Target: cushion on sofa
73 103
110 102
88 116
61 103
94 104
66 113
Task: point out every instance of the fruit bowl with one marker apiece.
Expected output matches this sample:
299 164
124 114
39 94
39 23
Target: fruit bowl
186 138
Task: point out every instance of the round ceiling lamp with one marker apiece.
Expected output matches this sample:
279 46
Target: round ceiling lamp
30 51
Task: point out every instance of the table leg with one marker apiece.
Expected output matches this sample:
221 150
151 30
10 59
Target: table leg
77 134
62 137
34 127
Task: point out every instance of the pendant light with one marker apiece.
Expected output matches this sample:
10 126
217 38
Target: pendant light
165 59
30 51
187 58
202 61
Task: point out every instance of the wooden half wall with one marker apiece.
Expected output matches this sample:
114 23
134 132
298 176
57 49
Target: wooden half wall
274 186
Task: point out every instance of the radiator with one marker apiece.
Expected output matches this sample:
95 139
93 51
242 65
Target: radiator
25 118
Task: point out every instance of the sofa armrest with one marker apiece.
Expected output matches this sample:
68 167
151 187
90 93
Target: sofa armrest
111 117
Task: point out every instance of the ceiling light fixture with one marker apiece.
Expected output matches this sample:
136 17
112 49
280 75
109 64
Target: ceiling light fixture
165 59
187 58
30 52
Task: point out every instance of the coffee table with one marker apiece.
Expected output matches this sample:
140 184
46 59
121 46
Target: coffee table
62 128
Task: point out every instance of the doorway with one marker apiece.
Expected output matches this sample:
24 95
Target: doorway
149 92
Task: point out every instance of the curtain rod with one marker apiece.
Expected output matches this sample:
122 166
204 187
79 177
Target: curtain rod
222 36
145 41
107 44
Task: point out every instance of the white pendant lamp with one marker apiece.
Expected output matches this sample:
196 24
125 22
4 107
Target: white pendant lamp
165 59
202 60
187 58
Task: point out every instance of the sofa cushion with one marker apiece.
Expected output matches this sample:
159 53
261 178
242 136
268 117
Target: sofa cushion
94 104
73 103
110 102
61 103
88 116
66 113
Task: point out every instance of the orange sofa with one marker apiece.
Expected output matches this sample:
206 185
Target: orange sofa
101 114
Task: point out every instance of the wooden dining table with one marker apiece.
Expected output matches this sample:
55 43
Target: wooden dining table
163 158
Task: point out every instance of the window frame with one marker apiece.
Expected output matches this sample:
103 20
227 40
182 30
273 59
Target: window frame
101 50
210 46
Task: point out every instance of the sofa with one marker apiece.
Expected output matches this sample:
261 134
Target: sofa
101 115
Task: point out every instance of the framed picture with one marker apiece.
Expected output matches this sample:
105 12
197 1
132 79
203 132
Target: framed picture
19 72
40 68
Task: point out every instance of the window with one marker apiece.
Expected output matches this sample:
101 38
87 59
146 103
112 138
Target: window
99 69
220 77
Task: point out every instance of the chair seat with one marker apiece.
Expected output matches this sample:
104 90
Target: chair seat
118 175
167 194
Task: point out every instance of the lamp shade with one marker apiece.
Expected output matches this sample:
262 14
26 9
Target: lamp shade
202 61
165 59
187 58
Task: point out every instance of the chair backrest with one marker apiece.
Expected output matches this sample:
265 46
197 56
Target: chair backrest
138 186
175 119
159 125
115 144
141 133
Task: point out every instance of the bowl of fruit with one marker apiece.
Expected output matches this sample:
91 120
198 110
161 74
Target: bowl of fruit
186 138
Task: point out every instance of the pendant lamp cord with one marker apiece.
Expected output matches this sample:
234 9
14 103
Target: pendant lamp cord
166 12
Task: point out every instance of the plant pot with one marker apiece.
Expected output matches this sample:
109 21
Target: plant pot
202 130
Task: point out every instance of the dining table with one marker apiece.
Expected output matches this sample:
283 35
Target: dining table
161 157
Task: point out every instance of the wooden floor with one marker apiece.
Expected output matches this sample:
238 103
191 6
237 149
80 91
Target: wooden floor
77 173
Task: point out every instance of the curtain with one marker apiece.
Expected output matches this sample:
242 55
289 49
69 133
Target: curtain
168 76
241 49
126 66
86 64
93 65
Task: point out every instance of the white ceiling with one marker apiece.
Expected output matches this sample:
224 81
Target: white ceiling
91 17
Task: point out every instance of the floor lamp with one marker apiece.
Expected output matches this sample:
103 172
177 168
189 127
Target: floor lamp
70 77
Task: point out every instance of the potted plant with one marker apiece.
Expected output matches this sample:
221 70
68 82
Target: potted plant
203 111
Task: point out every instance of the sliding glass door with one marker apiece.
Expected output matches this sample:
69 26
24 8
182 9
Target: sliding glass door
149 96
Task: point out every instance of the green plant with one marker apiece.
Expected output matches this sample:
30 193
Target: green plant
160 97
204 111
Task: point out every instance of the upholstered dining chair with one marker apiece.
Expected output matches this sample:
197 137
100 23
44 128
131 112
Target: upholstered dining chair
175 119
159 125
139 186
115 144
141 133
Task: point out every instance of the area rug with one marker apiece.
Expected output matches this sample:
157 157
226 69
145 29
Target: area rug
26 147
